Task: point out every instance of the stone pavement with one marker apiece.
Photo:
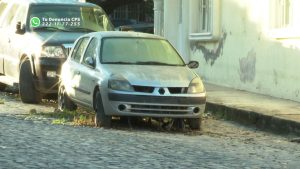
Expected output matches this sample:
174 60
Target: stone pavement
31 144
265 112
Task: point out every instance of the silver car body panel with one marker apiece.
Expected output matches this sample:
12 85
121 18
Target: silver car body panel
150 80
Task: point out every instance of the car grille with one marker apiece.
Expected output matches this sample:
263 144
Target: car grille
158 109
178 90
144 89
67 51
149 89
67 48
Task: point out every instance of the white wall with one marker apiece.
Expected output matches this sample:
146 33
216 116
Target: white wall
246 56
176 25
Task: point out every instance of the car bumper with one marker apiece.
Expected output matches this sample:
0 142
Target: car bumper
46 72
155 106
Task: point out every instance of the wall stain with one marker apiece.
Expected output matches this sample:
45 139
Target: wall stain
275 79
211 55
297 93
248 67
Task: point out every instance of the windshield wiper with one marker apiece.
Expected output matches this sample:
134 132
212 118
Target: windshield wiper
143 63
50 28
156 63
125 63
81 29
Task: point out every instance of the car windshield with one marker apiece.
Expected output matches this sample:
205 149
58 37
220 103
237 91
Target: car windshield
139 51
68 18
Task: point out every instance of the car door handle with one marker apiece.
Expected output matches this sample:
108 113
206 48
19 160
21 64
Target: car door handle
77 73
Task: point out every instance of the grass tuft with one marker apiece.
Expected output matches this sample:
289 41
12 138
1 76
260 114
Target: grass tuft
59 121
1 101
78 117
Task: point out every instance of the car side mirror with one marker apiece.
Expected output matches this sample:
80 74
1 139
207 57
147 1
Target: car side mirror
20 29
193 64
89 61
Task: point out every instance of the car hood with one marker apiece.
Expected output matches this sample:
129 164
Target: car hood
152 75
55 38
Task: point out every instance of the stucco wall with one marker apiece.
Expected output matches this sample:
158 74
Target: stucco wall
176 25
246 56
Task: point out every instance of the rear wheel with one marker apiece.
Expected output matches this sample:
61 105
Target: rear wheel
28 92
2 86
101 120
194 123
64 102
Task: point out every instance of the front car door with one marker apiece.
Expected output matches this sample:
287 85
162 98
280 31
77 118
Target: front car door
17 44
3 6
11 62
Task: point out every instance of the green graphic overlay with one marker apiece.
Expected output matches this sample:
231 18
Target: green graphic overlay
35 22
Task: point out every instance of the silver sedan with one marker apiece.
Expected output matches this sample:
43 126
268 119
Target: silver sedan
131 74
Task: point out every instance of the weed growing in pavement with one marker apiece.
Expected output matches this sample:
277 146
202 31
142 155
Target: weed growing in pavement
78 117
59 121
82 117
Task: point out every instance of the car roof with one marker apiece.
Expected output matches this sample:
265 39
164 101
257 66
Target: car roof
72 2
106 34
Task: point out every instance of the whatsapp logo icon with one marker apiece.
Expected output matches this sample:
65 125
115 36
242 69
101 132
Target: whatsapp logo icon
35 22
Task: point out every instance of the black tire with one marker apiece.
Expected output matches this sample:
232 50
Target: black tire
2 86
101 120
195 124
28 92
64 102
179 124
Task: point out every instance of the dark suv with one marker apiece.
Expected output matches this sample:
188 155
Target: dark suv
35 39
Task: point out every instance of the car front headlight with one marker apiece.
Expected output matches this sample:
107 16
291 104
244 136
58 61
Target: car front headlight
119 83
196 86
53 51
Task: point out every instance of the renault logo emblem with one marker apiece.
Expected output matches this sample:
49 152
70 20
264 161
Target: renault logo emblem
161 91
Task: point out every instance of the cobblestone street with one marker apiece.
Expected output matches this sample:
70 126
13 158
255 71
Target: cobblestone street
149 84
25 144
34 144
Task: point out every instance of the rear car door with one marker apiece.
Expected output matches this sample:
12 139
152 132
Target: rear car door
87 72
74 68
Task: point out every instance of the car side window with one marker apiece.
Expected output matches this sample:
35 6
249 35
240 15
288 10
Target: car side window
79 49
3 11
10 15
2 7
91 51
75 49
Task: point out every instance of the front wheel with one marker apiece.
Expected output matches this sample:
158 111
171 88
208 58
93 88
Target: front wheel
28 92
194 123
100 118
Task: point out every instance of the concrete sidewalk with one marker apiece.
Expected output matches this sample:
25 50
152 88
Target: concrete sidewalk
265 112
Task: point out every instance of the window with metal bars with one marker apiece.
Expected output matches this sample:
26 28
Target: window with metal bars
282 13
205 16
206 13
